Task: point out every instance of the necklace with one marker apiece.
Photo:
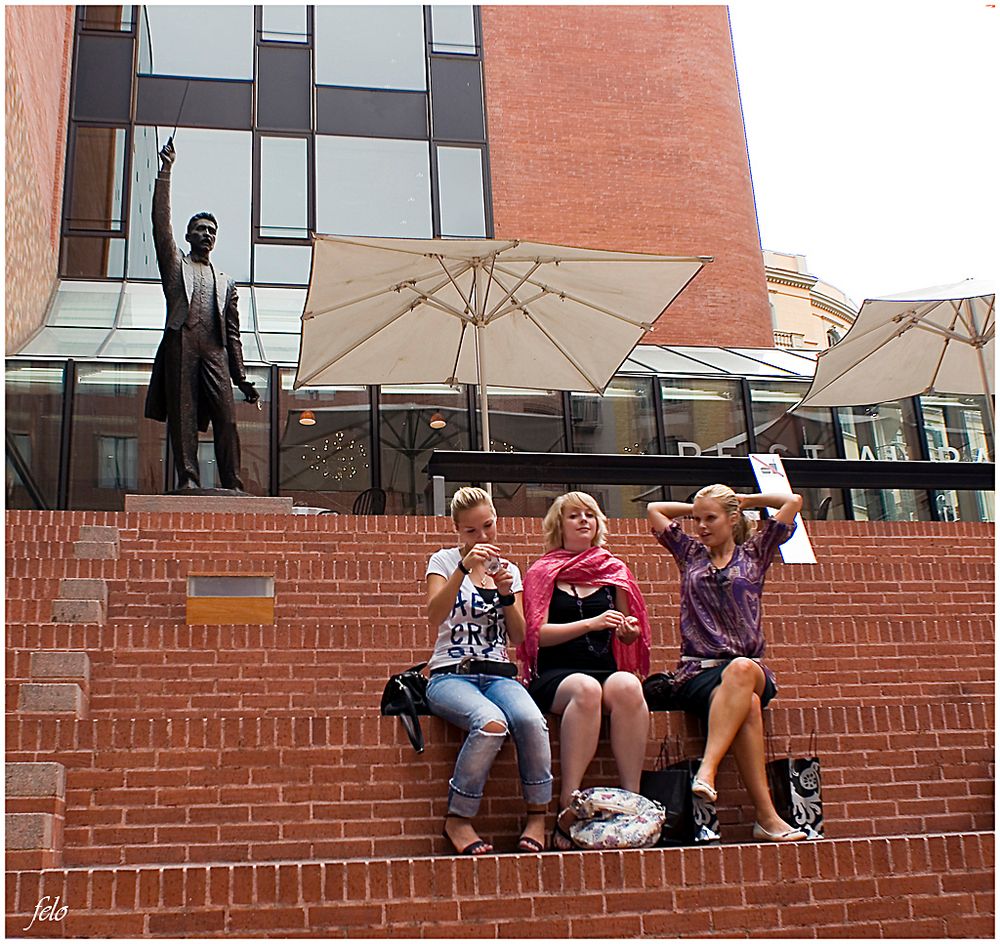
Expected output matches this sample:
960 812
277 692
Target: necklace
597 653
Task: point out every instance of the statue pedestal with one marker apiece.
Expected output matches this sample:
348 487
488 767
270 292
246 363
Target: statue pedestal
221 500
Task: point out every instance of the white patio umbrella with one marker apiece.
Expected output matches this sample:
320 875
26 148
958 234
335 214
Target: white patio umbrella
483 311
936 339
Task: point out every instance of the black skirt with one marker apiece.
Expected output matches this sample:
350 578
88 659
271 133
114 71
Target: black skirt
695 694
543 688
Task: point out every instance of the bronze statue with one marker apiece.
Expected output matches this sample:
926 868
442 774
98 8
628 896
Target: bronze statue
200 355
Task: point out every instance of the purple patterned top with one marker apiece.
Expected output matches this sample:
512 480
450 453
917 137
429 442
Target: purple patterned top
720 609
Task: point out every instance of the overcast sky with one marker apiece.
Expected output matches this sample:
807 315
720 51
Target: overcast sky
872 136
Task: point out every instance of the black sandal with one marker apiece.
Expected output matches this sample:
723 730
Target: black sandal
529 843
474 848
558 830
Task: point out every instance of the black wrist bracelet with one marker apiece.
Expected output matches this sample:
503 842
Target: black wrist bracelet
465 570
508 600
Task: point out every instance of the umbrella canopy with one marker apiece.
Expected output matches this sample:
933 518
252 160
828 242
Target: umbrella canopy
936 339
487 311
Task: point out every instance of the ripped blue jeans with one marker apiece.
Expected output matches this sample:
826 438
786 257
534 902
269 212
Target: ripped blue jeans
471 702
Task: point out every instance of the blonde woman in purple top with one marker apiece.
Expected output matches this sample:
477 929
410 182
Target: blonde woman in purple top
721 675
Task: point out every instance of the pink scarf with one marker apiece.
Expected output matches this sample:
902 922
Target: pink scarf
595 566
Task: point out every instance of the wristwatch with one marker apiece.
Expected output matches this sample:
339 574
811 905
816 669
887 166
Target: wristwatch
465 570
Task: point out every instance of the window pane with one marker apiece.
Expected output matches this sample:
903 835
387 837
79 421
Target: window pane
97 176
730 362
279 309
887 431
283 186
372 187
66 342
280 348
703 416
213 173
108 18
85 305
408 438
622 422
667 361
370 47
460 184
283 24
956 428
783 359
143 306
211 42
327 464
34 420
93 257
129 344
807 433
109 405
287 264
453 30
525 421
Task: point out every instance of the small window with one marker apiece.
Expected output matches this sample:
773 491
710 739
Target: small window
117 462
118 19
98 176
283 188
453 30
281 24
370 47
209 42
284 265
93 257
460 184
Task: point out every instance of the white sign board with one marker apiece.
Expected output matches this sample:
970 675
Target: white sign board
772 480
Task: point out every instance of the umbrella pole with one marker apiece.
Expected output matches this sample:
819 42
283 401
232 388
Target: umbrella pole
484 400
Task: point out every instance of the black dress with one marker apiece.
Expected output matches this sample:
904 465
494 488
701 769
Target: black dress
590 654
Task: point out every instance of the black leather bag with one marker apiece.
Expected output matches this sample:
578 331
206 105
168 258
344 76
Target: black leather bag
690 820
658 690
405 696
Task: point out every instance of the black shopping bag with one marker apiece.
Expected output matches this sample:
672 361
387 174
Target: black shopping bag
690 820
796 788
405 696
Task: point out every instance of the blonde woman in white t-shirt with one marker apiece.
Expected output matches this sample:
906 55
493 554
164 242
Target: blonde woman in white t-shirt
474 606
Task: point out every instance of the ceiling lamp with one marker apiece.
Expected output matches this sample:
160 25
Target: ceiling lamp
307 418
438 421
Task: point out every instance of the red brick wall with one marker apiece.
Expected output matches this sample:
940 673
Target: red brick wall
620 128
38 50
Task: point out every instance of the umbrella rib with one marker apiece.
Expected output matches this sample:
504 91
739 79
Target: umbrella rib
458 353
580 301
565 353
509 294
519 306
468 301
398 286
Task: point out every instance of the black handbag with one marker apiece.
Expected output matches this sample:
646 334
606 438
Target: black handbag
796 789
658 690
690 820
405 696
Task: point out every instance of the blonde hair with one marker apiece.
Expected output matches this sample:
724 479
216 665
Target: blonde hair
552 525
726 497
469 497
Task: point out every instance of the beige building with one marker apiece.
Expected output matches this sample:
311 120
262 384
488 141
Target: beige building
806 312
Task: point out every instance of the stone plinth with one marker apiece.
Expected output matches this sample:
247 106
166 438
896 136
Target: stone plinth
236 504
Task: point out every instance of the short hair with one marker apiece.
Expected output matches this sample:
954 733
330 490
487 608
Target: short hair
552 525
204 215
467 498
726 497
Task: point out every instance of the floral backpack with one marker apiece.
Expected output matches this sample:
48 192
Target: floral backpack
612 818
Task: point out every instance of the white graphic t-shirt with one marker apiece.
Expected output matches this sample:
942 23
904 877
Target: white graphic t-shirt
474 627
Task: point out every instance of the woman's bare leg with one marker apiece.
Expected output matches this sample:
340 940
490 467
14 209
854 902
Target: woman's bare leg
624 702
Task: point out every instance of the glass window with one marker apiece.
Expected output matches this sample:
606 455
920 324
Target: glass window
453 30
284 176
128 344
730 362
622 422
526 421
703 417
108 18
34 419
460 187
281 24
372 187
213 173
143 306
888 432
85 305
109 404
210 42
279 348
97 176
93 257
783 359
66 342
807 434
414 421
666 361
289 265
370 47
325 460
279 309
957 431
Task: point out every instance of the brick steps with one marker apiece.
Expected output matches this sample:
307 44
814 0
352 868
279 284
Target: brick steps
907 886
253 788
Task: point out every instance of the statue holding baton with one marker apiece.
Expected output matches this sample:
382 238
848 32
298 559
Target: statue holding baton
200 356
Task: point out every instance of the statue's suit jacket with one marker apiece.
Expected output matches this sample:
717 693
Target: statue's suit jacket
177 278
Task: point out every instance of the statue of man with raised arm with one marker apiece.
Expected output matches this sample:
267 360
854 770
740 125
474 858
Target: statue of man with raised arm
200 356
